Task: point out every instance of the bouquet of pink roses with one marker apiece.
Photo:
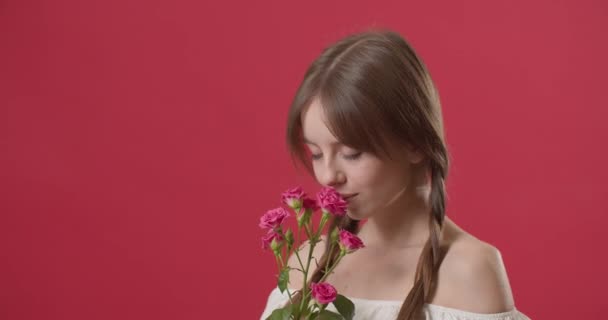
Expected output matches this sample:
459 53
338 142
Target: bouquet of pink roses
314 299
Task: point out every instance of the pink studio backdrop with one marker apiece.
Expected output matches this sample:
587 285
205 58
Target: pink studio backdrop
141 141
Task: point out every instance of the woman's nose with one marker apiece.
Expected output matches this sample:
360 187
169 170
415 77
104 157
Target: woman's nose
331 175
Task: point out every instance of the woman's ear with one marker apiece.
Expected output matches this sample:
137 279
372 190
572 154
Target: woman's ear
414 155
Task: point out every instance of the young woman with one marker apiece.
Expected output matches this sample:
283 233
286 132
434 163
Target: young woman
367 121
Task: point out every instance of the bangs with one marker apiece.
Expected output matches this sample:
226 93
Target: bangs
355 121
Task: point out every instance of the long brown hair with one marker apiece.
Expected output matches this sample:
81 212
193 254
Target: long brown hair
373 89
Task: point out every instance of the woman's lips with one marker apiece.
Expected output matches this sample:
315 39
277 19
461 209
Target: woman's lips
348 198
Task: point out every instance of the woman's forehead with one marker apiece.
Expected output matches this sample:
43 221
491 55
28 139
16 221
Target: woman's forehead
314 125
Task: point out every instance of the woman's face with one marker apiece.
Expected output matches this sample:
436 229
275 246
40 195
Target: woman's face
376 182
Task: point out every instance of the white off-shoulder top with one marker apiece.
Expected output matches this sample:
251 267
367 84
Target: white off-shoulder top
366 309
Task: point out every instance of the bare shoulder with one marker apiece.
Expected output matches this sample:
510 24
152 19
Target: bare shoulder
472 277
296 277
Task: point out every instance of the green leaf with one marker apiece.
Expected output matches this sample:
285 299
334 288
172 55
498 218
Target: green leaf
328 315
283 279
280 314
344 306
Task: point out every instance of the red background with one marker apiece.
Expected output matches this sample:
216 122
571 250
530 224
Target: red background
142 140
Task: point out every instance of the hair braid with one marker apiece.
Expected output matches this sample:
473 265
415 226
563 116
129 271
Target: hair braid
431 256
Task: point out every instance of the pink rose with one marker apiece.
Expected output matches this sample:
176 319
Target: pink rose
323 292
310 204
349 241
273 218
331 201
293 197
268 239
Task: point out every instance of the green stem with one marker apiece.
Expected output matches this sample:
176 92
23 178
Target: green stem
306 293
324 219
313 236
305 290
296 252
332 268
296 248
331 249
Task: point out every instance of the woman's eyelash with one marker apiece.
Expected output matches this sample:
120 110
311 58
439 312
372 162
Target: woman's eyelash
353 156
349 157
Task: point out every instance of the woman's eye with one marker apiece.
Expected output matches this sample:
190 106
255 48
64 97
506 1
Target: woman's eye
353 156
348 156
